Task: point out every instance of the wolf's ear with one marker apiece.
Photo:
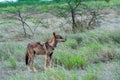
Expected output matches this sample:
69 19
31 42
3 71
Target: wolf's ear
54 33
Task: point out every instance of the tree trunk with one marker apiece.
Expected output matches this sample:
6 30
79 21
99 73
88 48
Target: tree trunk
25 34
73 20
23 23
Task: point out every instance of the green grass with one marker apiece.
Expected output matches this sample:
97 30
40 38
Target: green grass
69 60
71 43
90 76
12 62
96 36
60 74
10 50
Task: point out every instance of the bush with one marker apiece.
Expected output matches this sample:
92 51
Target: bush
71 43
69 60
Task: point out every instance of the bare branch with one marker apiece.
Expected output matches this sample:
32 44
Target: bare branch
77 4
23 22
29 27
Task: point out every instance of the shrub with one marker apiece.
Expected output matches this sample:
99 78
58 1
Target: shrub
71 43
69 60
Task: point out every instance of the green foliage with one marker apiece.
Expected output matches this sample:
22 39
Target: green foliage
71 43
93 47
89 76
70 60
12 61
10 9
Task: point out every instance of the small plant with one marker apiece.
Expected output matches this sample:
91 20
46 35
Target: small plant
12 62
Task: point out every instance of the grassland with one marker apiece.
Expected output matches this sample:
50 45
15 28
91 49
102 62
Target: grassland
89 55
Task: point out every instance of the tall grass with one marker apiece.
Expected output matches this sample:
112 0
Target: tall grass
101 36
92 46
11 51
69 60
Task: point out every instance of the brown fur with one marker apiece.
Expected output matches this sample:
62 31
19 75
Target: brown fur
46 49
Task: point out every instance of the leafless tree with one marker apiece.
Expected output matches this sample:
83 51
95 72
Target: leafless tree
22 17
73 5
77 9
23 21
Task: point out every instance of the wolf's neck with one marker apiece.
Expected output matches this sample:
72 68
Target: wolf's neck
52 42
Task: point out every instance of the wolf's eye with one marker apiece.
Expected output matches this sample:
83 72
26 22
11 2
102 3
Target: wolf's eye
61 37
